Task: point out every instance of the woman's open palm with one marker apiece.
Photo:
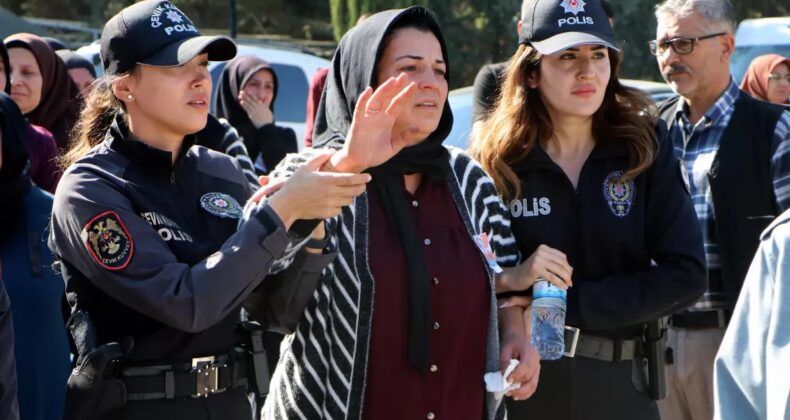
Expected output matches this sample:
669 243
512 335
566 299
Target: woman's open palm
371 141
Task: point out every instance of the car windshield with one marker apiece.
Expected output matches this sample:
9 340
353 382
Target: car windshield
291 96
743 56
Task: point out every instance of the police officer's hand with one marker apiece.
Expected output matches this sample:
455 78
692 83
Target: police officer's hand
310 194
527 373
370 140
546 263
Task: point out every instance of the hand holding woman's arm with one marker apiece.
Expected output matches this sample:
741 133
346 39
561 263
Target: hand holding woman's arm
309 194
545 263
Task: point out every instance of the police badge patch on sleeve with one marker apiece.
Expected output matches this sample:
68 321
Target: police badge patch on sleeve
108 241
221 205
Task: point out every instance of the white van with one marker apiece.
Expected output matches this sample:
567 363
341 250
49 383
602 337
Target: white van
756 37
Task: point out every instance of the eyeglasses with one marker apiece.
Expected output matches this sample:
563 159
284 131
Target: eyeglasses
681 45
777 76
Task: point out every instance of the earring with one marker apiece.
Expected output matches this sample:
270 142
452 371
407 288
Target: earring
129 97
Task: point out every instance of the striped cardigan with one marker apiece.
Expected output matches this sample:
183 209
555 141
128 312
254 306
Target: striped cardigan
322 367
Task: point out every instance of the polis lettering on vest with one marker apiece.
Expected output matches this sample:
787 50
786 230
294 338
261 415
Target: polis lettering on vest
574 20
539 207
172 235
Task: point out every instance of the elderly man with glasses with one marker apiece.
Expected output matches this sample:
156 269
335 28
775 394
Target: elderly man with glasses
736 152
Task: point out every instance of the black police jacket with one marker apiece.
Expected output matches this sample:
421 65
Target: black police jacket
610 232
151 249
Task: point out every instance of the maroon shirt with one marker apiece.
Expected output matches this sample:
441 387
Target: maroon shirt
313 98
43 154
453 386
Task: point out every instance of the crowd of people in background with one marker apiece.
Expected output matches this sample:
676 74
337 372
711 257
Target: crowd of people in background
375 273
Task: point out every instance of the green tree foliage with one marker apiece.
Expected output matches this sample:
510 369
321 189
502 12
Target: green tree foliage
477 31
484 31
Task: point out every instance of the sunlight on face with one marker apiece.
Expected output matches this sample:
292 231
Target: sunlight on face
573 82
26 80
171 100
419 55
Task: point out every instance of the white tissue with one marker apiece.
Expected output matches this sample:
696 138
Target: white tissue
497 382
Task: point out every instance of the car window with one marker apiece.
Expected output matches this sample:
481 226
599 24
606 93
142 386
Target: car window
292 86
743 56
461 105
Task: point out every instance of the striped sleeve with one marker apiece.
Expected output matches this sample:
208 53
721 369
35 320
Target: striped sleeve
285 169
233 146
780 162
486 209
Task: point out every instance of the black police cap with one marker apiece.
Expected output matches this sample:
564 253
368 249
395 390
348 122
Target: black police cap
156 33
551 26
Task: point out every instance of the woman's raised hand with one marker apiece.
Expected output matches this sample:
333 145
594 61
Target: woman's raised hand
370 140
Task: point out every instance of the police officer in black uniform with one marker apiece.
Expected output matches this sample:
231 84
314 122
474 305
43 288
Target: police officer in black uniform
148 228
598 206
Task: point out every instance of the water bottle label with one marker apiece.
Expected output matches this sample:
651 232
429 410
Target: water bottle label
544 289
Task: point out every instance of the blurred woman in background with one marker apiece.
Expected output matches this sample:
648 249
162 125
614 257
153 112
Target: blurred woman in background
768 78
41 86
247 91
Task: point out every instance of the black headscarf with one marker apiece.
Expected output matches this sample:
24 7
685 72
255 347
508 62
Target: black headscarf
7 67
14 182
72 60
235 74
354 68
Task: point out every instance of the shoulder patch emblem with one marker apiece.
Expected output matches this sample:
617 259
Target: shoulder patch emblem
619 195
108 241
684 175
220 204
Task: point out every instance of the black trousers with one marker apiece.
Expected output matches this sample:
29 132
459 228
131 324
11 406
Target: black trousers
228 405
581 388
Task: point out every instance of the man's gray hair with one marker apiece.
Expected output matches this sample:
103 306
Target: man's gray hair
717 13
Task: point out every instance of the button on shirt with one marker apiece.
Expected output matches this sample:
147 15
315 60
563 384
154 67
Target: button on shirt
697 145
452 387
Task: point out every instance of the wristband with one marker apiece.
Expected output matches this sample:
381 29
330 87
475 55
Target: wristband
317 243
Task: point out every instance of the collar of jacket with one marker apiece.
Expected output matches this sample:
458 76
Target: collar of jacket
119 139
538 158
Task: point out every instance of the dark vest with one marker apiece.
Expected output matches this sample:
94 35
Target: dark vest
741 184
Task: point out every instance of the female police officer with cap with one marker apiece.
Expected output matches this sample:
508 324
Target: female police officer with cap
594 201
145 227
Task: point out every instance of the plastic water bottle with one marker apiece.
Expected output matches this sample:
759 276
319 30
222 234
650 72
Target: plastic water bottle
548 319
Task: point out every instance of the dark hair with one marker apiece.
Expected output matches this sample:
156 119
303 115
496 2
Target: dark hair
520 121
100 110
